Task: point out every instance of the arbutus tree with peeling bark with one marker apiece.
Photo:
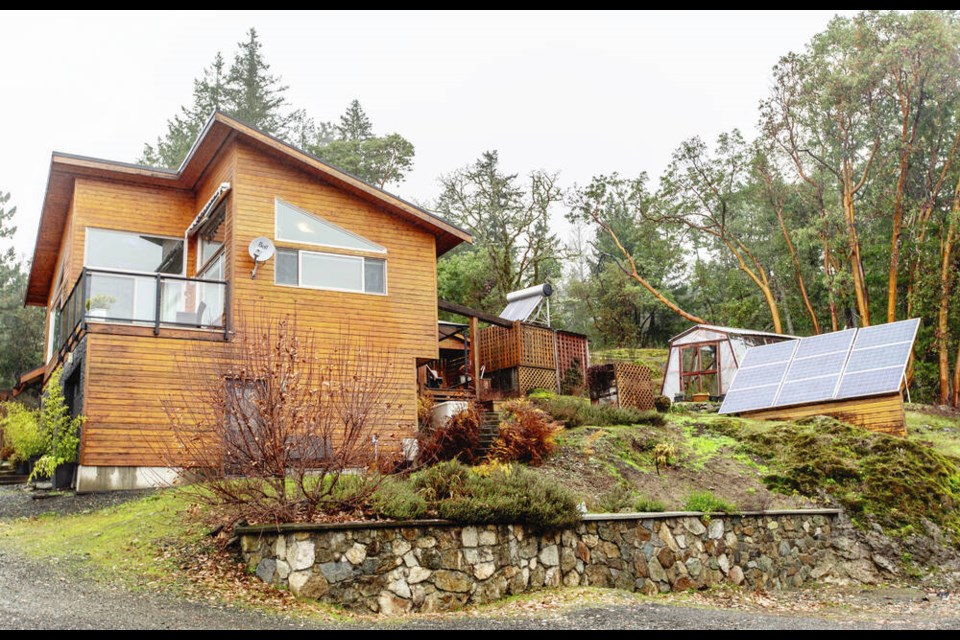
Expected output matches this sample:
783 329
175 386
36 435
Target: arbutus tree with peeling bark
279 427
825 111
708 194
642 250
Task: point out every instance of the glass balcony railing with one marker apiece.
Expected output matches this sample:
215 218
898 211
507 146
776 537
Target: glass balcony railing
142 300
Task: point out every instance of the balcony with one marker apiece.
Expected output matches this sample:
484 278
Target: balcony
137 299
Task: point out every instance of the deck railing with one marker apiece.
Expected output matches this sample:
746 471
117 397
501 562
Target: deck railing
152 300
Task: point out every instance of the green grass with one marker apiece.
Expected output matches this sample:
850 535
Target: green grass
708 503
121 541
942 432
703 446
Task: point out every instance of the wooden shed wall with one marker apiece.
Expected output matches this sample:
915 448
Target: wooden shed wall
881 413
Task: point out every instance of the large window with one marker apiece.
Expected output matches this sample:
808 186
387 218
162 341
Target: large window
336 272
700 369
125 251
297 225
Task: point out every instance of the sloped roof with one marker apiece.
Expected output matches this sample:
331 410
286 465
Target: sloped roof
732 331
217 133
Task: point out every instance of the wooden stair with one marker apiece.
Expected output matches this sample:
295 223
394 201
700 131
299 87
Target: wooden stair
490 426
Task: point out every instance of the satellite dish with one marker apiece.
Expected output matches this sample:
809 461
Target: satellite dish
261 250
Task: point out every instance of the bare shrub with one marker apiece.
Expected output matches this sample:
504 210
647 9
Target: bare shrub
458 439
274 426
527 435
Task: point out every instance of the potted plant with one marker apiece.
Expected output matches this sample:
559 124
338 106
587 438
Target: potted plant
98 305
61 434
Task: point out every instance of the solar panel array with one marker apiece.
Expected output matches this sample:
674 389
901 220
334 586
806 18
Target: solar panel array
833 366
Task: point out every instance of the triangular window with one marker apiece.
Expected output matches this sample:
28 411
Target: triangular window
296 225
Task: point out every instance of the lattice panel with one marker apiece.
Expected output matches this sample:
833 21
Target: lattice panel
537 347
535 378
572 347
499 347
634 386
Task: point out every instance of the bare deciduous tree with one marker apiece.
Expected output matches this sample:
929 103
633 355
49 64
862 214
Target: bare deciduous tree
273 425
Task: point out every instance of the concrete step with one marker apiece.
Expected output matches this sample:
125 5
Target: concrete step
11 479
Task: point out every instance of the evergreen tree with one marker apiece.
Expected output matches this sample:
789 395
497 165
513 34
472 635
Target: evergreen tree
209 95
354 124
510 220
21 329
253 94
246 91
379 160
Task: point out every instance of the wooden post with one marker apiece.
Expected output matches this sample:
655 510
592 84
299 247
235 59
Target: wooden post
475 352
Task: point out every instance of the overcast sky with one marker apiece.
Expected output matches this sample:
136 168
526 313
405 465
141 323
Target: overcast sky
579 93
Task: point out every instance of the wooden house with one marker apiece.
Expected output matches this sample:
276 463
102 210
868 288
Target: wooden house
137 264
704 359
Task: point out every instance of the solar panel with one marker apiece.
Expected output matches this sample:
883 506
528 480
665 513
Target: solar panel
761 376
826 343
768 353
749 399
868 383
808 390
830 364
893 355
835 366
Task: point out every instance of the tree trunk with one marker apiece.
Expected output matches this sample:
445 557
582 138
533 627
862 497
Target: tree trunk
635 274
856 264
798 273
895 241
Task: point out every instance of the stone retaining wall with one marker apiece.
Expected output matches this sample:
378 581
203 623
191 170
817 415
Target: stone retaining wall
437 566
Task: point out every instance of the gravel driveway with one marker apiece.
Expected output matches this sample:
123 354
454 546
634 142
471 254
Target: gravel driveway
38 595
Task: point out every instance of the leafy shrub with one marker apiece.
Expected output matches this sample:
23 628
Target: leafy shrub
60 432
527 435
708 503
644 504
21 428
624 499
398 499
458 439
571 384
424 411
577 412
662 404
495 494
663 455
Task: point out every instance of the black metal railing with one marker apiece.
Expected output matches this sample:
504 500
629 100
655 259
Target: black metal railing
153 300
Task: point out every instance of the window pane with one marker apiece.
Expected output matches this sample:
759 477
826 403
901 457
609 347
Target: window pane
331 272
710 385
689 357
208 249
374 275
287 268
133 252
296 225
708 357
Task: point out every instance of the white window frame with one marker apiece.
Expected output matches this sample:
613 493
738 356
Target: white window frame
202 266
86 248
276 231
363 277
